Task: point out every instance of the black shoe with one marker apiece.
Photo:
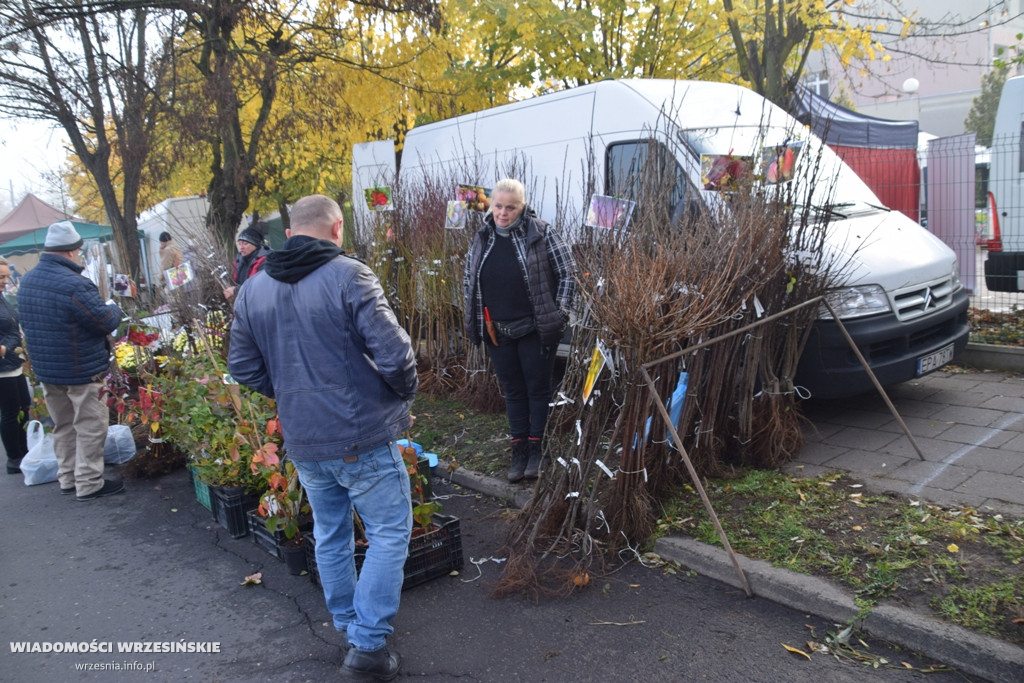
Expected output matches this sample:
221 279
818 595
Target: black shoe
13 466
109 489
379 665
536 455
519 458
67 492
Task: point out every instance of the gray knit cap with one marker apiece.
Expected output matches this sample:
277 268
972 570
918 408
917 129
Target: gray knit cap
62 236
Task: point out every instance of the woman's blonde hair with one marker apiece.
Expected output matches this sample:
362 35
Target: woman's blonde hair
3 261
512 186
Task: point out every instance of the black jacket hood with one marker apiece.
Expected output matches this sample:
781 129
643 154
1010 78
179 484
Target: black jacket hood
299 256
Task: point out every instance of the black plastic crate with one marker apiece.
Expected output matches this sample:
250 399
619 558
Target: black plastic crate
436 553
268 540
314 571
229 507
271 541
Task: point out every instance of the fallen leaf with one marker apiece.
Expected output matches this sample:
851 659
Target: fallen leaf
1018 620
796 650
843 637
857 527
953 548
252 579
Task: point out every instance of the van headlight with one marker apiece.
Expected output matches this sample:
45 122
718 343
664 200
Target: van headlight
955 281
855 302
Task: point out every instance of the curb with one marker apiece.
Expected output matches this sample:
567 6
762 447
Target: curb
970 652
992 357
517 496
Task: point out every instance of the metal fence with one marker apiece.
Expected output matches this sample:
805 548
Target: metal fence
971 198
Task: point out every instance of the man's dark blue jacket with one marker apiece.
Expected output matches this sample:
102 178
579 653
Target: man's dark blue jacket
314 331
66 322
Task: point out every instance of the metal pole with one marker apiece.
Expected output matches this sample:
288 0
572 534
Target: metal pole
696 481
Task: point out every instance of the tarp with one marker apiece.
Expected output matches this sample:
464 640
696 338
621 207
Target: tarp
33 241
837 125
32 213
881 151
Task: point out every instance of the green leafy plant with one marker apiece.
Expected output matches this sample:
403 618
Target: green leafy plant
423 510
284 505
218 423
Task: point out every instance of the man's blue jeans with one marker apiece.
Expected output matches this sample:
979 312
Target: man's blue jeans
376 484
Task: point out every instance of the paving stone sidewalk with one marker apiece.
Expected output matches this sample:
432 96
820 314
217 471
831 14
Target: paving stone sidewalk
969 427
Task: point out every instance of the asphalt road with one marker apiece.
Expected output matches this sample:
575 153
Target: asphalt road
151 566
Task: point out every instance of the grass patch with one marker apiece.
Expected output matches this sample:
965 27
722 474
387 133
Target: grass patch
962 565
476 441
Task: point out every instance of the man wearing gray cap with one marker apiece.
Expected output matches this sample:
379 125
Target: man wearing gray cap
66 325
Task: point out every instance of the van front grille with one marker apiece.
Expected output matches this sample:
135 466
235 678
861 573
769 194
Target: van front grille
913 302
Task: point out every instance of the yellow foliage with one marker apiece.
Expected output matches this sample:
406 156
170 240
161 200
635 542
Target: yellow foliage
389 72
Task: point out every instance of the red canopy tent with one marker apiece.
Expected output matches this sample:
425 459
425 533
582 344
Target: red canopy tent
32 213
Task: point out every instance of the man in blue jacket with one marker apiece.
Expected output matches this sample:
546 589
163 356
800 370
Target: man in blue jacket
314 331
66 324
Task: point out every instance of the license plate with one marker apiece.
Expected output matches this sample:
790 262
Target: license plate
934 361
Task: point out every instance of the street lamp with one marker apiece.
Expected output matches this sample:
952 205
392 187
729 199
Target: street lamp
910 86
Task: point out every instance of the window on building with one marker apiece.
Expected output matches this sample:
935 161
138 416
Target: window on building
817 83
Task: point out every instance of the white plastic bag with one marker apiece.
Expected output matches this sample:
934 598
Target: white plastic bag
119 447
40 463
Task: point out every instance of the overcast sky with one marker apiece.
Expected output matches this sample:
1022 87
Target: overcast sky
30 150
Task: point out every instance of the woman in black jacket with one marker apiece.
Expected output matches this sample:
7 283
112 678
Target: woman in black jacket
14 397
518 289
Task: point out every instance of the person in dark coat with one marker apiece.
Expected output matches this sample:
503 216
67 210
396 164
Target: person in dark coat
66 324
315 332
518 289
14 395
252 255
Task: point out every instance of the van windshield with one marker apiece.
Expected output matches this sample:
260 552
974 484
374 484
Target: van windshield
774 155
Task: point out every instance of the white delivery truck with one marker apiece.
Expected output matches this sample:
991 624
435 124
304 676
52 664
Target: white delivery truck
1004 265
902 302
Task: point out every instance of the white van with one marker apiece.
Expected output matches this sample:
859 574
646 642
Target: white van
903 302
1004 265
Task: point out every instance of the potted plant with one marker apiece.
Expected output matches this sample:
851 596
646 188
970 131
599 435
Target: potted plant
283 514
226 426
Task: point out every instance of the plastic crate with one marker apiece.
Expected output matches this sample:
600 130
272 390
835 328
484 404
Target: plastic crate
314 571
435 553
202 489
268 540
271 541
229 507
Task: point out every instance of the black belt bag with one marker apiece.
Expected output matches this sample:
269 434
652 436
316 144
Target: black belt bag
514 329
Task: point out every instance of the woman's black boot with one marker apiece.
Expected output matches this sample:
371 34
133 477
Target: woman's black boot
519 460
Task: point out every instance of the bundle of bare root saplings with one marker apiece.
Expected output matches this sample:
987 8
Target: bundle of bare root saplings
700 280
417 246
